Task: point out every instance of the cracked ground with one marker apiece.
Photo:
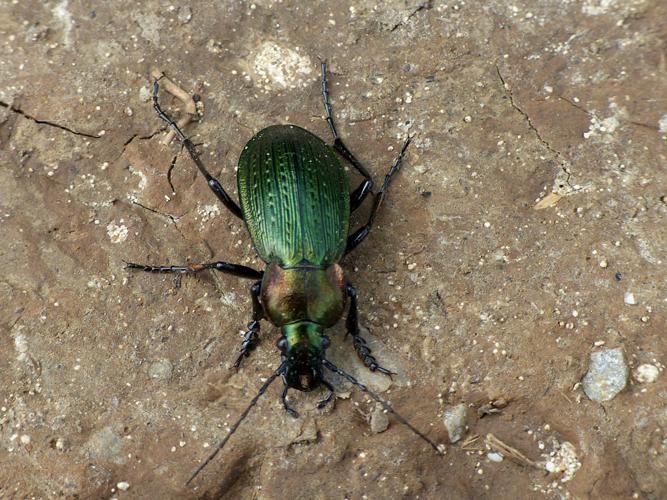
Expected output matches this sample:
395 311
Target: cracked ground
531 202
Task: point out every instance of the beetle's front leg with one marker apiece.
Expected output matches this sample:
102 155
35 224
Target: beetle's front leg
352 325
251 338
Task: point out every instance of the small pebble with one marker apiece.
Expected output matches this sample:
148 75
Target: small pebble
145 94
161 370
184 14
379 420
61 444
123 486
629 298
455 422
495 457
607 374
646 373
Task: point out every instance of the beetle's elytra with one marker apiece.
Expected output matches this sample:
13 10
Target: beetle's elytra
295 201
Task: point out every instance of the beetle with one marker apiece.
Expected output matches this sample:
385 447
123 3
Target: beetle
295 202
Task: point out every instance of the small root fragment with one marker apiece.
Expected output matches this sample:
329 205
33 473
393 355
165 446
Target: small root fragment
467 445
510 452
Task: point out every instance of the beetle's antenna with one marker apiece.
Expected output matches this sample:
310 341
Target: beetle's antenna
233 428
382 402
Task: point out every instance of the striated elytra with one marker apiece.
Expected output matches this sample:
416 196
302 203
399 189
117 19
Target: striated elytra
296 203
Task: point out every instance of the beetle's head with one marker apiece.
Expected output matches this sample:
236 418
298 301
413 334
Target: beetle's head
303 346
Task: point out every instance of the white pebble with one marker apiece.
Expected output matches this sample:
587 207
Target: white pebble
123 486
646 373
494 457
629 298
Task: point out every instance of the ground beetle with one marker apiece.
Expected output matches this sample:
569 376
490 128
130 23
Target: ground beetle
296 204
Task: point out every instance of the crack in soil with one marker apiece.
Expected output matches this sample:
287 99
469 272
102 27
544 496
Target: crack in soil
584 110
19 111
508 93
531 125
171 167
171 218
575 105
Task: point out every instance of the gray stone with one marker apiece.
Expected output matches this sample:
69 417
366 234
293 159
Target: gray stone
607 374
455 422
379 420
105 444
161 369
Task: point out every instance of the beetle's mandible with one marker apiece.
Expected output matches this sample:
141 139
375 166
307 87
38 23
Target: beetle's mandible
295 201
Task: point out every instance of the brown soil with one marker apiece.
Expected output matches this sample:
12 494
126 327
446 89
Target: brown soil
469 292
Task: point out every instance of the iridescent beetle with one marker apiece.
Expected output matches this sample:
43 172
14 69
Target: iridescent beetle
296 204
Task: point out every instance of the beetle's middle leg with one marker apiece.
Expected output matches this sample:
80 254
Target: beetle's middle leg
352 325
358 195
225 267
250 338
212 182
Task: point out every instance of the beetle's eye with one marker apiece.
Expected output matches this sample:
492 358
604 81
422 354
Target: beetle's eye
282 344
325 342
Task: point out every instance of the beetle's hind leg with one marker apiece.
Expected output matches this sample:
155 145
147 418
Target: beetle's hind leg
360 234
358 195
352 325
212 182
250 338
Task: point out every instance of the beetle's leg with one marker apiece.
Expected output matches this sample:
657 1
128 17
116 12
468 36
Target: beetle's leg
360 234
329 397
288 408
352 325
250 338
225 267
212 182
358 195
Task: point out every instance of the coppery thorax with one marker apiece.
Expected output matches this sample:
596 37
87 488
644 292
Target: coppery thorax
304 293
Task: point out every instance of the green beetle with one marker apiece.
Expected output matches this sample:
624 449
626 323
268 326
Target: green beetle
295 201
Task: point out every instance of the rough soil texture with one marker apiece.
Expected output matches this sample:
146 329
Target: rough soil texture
469 292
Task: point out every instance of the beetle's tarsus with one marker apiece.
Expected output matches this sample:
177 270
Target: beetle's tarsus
225 267
360 234
359 194
288 408
216 187
250 341
329 397
360 345
251 336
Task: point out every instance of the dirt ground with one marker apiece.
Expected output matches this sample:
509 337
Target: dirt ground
530 206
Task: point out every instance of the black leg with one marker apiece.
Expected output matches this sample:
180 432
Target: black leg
288 408
250 338
225 267
352 325
360 234
213 183
358 195
329 397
